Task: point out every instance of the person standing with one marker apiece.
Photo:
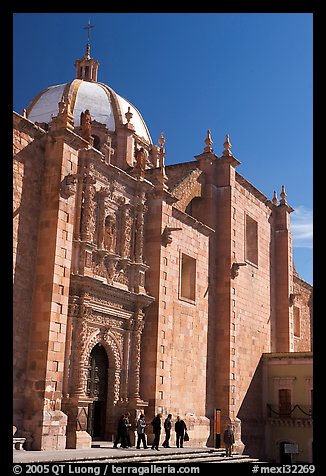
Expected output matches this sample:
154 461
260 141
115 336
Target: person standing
180 428
127 424
120 432
141 425
228 438
156 424
167 428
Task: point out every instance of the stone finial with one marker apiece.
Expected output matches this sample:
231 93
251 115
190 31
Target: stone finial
162 177
283 196
227 146
275 199
208 141
161 153
64 117
128 115
161 140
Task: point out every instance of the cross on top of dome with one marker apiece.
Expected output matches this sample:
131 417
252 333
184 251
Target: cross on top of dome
87 67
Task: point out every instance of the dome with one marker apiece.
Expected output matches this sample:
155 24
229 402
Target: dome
104 104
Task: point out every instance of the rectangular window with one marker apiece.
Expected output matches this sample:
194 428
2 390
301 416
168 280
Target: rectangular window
284 401
296 321
188 278
251 244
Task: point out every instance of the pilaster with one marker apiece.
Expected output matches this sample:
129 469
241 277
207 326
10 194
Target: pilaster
283 276
46 357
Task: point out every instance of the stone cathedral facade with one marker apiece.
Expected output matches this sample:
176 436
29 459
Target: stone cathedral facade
140 286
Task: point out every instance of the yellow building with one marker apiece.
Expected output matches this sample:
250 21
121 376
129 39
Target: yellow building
288 396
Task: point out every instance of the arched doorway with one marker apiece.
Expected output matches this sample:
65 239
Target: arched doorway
97 386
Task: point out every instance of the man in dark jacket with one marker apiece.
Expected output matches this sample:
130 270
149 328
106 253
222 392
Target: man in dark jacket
127 424
180 428
167 428
120 433
156 424
228 438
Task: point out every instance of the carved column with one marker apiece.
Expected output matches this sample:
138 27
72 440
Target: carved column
78 380
103 193
88 209
125 364
139 239
126 230
76 406
73 310
137 330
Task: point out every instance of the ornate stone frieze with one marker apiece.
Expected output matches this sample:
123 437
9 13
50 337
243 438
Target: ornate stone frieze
103 320
104 301
291 422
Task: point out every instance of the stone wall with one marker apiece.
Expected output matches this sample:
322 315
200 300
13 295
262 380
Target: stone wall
27 172
303 301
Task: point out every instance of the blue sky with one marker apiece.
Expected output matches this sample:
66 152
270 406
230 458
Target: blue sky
246 74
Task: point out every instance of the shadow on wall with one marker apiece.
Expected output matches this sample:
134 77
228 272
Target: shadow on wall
251 416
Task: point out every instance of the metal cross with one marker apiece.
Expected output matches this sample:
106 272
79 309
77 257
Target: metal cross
88 27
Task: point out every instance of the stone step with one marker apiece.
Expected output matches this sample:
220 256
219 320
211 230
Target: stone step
184 457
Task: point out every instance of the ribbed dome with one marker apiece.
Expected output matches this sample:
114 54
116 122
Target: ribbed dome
105 105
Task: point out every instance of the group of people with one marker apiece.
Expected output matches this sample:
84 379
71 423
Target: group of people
179 427
124 426
123 432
